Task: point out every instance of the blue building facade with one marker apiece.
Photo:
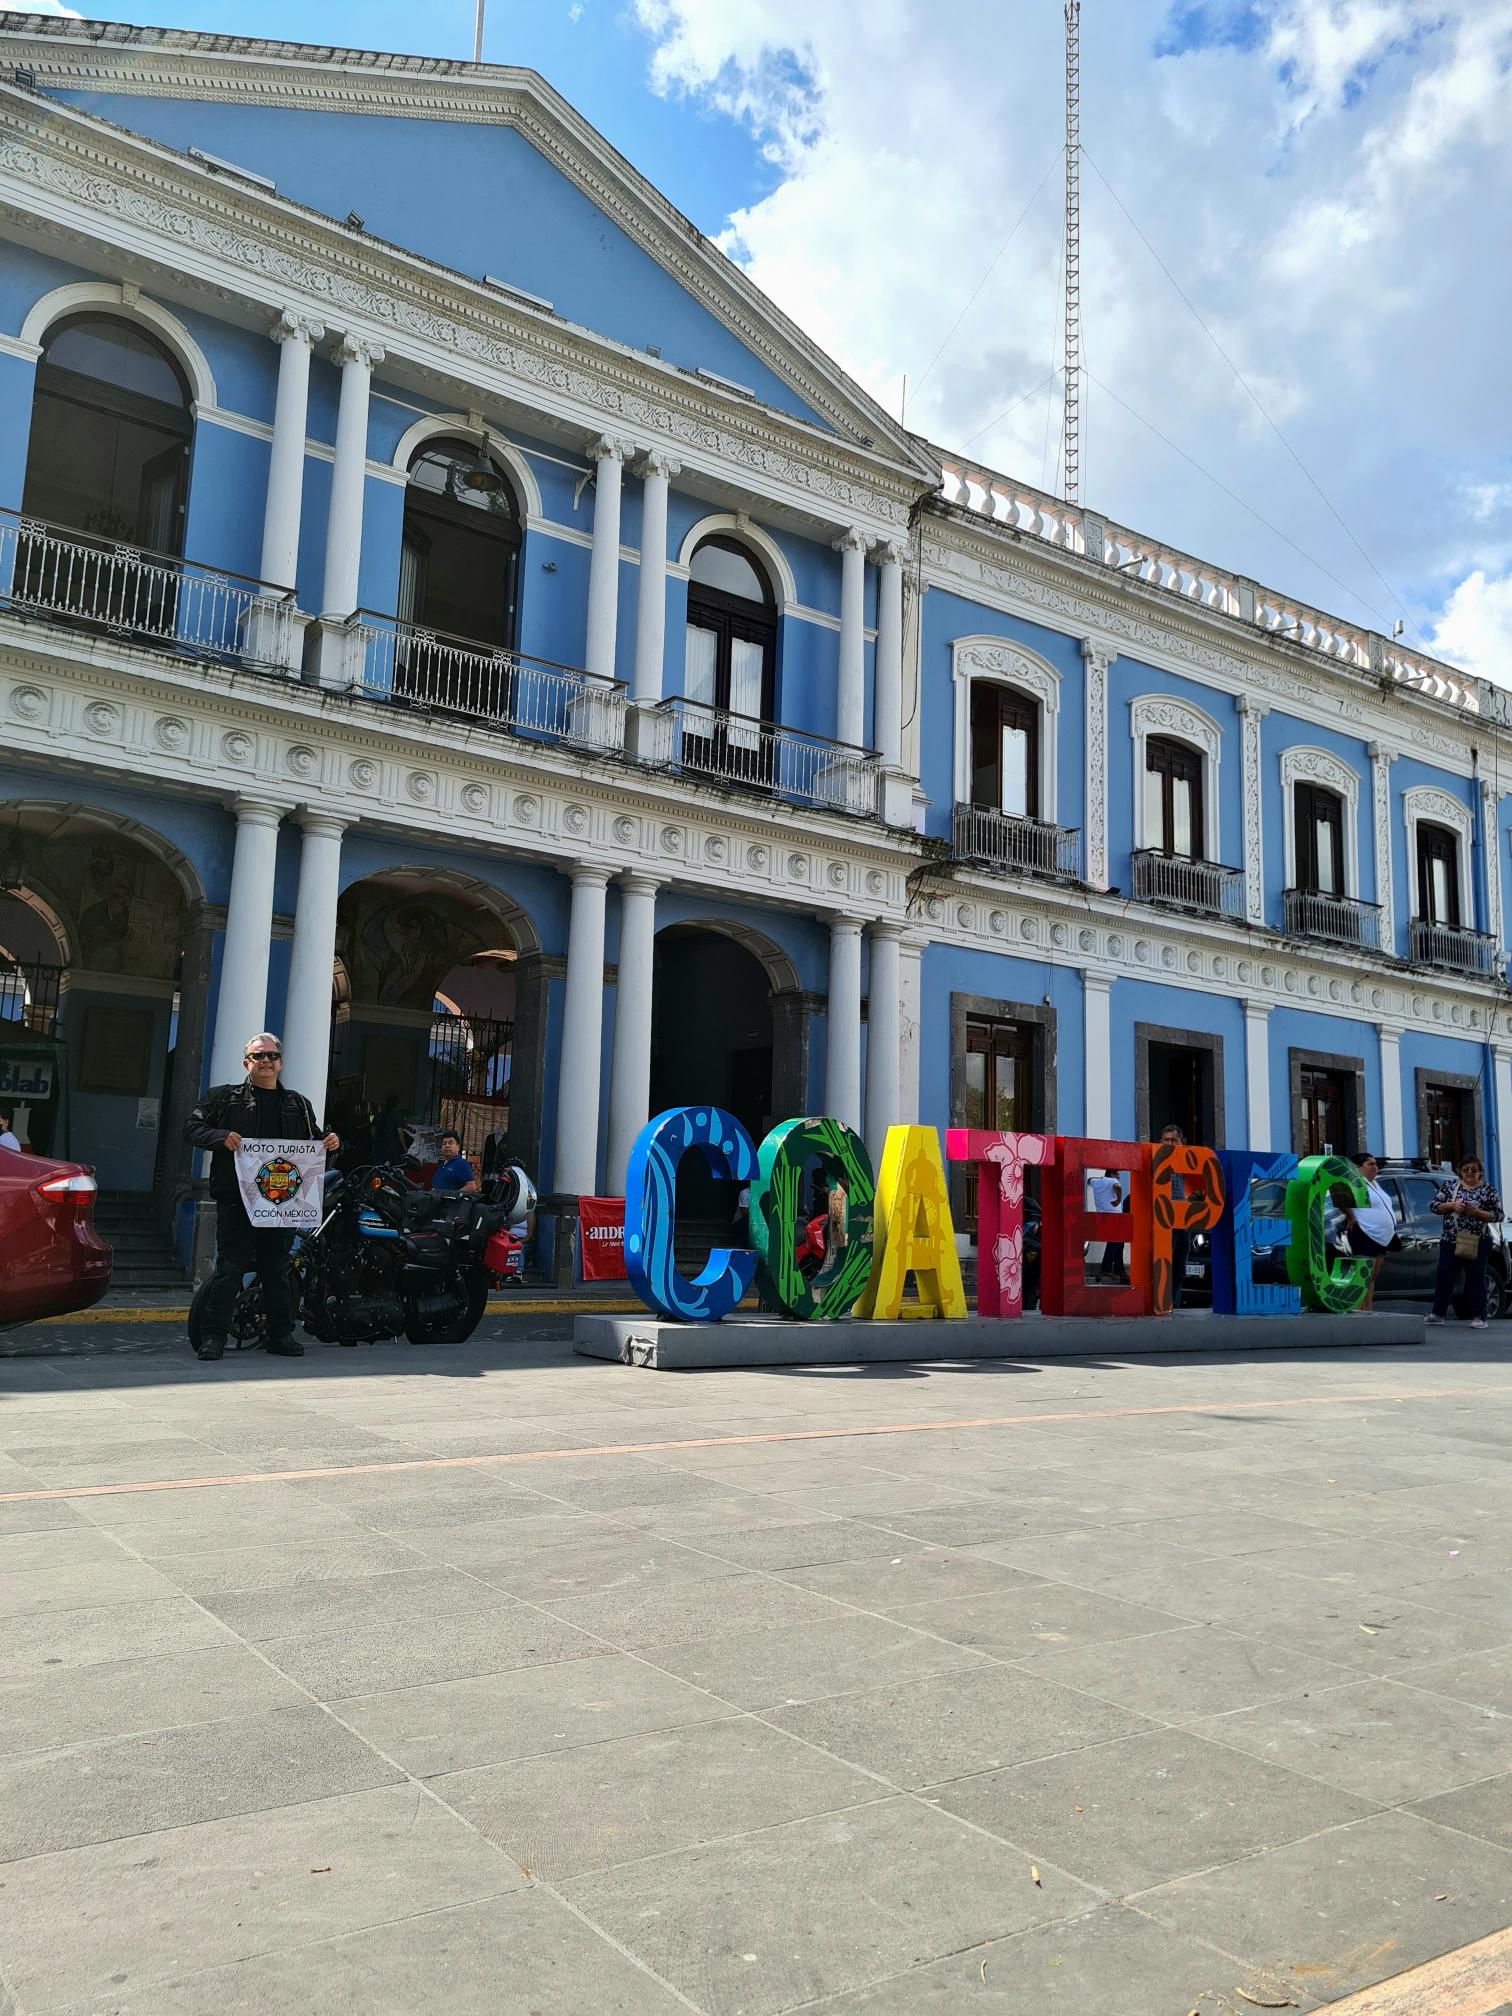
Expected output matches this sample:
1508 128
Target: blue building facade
484 641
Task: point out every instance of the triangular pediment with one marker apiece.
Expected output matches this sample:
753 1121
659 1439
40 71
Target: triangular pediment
483 169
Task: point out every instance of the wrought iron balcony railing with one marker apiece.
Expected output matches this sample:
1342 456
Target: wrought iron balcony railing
754 755
52 574
1012 846
1186 884
1452 947
1340 920
530 697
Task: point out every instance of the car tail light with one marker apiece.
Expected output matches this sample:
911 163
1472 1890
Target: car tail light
79 1191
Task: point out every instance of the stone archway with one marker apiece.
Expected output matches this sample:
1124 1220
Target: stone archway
437 1009
103 987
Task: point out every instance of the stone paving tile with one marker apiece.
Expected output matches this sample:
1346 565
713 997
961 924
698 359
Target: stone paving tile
191 1519
36 1591
947 1520
907 1576
1484 1678
929 1731
621 1484
1108 1962
673 1613
52 1640
601 1804
75 1921
524 1952
405 1598
40 1515
1220 1532
287 1564
75 1546
481 1544
456 1725
1093 1557
113 1459
122 1697
178 1777
1385 1742
742 1929
805 1544
606 1559
1191 1671
490 1636
1044 1616
1341 1910
393 1501
1484 1809
1130 1814
806 1661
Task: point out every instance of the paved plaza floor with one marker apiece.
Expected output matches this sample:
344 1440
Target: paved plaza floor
498 1680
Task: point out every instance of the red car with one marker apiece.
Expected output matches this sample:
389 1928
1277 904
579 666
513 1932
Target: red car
52 1260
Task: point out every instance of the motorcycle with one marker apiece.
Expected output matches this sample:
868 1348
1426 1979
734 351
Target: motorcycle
387 1260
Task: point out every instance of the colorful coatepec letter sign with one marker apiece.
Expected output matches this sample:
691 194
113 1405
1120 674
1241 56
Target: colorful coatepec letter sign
1195 1172
1235 1289
1001 1160
651 1211
914 1231
777 1207
1066 1227
1334 1288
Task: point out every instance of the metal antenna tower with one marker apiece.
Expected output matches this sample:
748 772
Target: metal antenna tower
1071 409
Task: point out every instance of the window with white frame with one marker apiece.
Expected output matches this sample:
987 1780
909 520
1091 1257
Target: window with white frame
1176 765
1321 798
1439 830
1007 709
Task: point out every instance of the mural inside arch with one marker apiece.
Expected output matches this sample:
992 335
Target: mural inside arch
397 948
120 907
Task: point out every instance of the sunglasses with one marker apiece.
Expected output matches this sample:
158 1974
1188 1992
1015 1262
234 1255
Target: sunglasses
262 1056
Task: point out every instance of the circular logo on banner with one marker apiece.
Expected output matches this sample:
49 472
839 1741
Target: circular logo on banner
278 1181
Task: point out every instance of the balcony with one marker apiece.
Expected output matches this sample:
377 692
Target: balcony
1184 884
53 575
1005 845
748 754
435 674
1451 948
1338 920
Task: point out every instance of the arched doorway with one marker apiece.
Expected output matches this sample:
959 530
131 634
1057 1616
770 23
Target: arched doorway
430 1017
93 922
111 428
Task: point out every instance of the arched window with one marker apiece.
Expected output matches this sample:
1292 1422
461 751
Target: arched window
730 671
1005 761
110 434
1173 810
459 568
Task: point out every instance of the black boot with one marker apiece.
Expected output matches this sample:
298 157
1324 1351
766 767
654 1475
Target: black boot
210 1347
286 1347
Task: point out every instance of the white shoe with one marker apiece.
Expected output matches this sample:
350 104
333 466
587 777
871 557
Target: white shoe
1435 1319
1477 1323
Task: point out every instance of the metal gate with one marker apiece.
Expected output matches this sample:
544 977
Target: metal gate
29 995
469 1084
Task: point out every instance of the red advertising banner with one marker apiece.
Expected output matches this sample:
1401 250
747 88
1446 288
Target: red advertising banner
601 1240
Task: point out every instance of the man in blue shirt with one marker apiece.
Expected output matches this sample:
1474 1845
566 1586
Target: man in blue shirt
454 1172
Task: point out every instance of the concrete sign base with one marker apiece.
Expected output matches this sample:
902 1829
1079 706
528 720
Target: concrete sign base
657 1346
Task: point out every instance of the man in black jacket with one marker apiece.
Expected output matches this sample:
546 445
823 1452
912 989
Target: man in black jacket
263 1109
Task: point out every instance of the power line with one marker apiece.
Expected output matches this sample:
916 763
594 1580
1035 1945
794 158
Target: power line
988 274
1219 483
1023 396
1260 407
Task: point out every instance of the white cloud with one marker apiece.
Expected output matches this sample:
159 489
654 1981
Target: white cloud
44 7
1335 197
1475 629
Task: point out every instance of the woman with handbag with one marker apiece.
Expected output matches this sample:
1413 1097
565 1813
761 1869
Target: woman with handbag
1468 1207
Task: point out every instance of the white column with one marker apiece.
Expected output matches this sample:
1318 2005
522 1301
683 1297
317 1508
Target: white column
307 1013
656 473
242 1003
343 555
1503 1060
1097 657
1380 778
910 992
295 335
1393 1137
1491 854
603 562
850 704
887 705
630 1072
1097 1038
842 1071
1251 713
1257 1075
884 1035
576 1168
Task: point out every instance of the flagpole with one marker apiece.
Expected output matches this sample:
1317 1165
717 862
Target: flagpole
478 32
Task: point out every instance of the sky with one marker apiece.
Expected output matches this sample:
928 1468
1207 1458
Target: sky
1296 227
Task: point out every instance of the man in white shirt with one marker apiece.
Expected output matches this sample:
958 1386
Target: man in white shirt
7 1138
1107 1195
